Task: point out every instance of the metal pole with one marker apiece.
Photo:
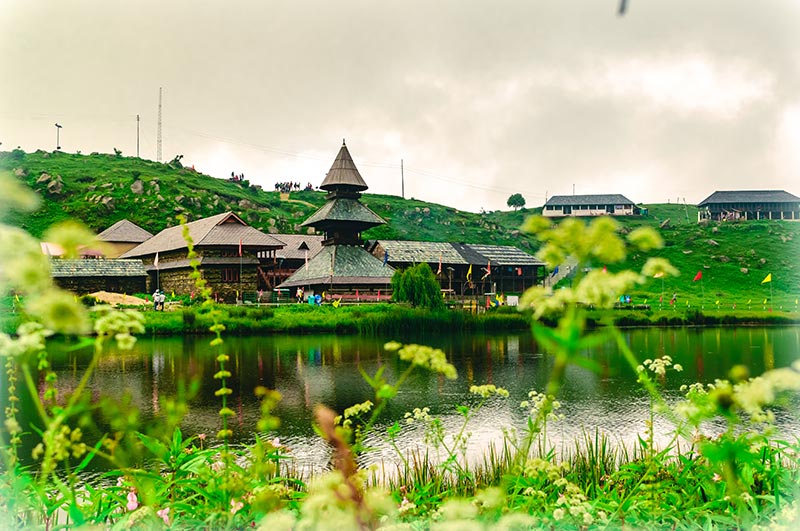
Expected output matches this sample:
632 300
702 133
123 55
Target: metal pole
402 181
137 136
58 137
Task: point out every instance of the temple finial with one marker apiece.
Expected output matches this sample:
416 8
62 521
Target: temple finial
343 144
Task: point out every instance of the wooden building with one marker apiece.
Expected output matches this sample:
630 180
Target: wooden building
342 264
234 258
749 204
589 205
82 276
466 269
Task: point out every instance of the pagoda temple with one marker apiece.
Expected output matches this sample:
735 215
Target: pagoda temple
343 264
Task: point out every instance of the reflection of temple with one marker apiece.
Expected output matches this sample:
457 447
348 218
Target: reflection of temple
343 264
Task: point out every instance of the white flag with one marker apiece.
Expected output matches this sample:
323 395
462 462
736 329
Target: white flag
155 262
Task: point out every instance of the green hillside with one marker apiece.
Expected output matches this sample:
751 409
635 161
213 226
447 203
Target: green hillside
100 189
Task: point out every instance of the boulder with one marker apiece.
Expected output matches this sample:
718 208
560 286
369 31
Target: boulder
137 187
724 259
19 172
310 231
179 198
246 204
273 230
713 242
744 270
44 177
107 202
55 187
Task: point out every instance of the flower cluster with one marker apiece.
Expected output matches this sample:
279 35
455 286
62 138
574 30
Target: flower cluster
659 366
418 415
540 403
488 390
433 359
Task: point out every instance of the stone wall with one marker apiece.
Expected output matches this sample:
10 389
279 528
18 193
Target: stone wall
85 285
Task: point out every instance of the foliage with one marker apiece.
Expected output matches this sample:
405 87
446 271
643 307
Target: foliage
516 201
418 285
744 478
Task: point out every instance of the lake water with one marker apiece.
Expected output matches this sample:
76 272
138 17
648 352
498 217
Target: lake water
310 370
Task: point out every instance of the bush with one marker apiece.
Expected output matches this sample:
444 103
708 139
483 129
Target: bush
417 285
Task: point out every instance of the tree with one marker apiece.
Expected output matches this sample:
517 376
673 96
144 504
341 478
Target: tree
417 285
516 201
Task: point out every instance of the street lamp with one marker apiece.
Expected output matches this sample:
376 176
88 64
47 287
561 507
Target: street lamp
58 137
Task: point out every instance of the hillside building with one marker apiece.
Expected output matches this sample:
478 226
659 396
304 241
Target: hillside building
589 205
748 205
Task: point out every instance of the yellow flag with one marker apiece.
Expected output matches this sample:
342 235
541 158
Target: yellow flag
16 297
749 301
765 301
469 273
767 278
336 303
659 274
717 303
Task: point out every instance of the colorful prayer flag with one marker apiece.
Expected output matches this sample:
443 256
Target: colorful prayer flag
439 271
698 276
767 278
385 256
240 247
336 302
469 273
659 274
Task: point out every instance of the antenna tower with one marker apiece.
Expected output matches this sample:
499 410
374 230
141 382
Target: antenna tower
158 132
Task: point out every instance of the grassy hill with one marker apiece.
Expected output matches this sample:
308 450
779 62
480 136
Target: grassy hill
100 189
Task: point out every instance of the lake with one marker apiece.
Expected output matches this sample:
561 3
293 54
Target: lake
310 370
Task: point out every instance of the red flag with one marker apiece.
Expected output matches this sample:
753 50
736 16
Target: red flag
698 276
240 247
605 270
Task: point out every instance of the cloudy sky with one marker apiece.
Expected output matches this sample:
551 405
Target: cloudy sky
479 98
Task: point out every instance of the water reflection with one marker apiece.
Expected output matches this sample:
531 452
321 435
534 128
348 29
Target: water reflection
310 370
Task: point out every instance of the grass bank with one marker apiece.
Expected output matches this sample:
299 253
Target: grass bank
383 319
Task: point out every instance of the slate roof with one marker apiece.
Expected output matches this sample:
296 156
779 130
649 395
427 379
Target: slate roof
343 173
343 209
99 267
750 196
412 252
221 230
296 244
505 255
341 265
124 231
603 199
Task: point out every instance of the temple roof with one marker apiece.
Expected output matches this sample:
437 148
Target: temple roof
225 229
98 267
338 265
343 173
343 209
124 231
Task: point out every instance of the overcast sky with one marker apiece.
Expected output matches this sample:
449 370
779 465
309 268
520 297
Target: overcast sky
480 98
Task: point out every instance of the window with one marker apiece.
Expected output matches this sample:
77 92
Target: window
230 274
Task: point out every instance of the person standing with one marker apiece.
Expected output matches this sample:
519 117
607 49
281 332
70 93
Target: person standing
155 300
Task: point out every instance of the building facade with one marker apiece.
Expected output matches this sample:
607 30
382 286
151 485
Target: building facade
748 205
589 205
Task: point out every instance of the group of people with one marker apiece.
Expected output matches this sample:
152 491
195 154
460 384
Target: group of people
292 187
158 300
